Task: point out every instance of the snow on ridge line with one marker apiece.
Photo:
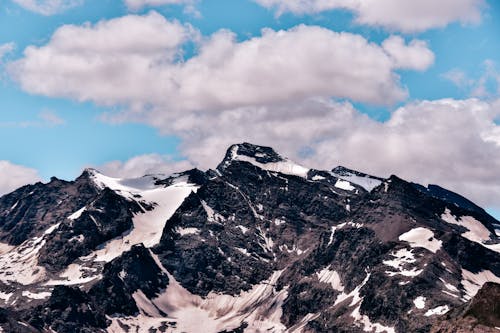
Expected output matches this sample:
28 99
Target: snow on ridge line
366 182
477 231
473 282
286 166
148 226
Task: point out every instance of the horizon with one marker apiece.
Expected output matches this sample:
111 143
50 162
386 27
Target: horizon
138 86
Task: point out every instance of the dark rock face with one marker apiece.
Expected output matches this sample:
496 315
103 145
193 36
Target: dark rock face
134 270
33 208
344 257
67 310
481 314
108 216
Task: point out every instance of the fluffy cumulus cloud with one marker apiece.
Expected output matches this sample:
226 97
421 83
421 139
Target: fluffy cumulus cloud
144 165
136 61
48 7
400 15
416 55
14 176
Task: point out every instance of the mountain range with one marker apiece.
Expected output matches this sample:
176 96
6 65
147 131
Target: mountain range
260 244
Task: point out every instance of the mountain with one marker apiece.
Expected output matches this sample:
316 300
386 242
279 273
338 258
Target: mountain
260 244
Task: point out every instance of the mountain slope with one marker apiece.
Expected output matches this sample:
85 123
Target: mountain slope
260 244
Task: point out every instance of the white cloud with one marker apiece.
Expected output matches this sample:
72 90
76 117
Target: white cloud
398 15
142 56
48 7
416 55
14 176
485 85
50 118
46 118
144 164
6 49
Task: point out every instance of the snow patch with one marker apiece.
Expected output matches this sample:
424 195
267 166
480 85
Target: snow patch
331 277
439 311
401 259
148 226
243 229
212 216
279 222
477 231
419 302
261 307
344 185
366 182
421 237
42 295
77 214
360 319
473 282
187 231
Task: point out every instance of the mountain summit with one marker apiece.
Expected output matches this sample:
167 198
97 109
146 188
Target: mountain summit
260 244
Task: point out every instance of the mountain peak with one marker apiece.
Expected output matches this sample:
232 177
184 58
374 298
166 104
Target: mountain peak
261 154
262 157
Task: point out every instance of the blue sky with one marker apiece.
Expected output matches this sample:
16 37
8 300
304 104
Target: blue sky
58 133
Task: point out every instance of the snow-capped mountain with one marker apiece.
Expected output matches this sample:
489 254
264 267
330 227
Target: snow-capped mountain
260 244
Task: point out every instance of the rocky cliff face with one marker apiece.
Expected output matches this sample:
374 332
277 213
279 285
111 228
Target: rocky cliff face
260 244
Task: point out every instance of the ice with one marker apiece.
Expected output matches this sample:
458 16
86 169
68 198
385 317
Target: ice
419 302
439 311
477 231
421 237
331 277
344 185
